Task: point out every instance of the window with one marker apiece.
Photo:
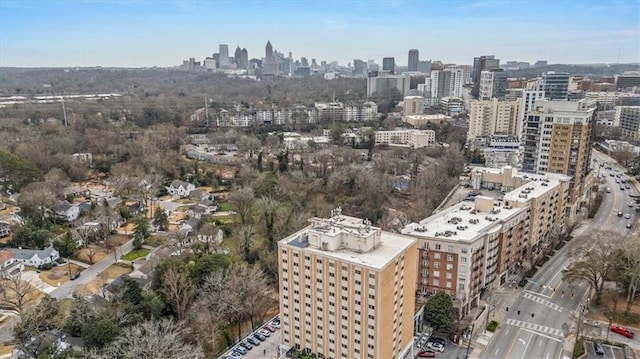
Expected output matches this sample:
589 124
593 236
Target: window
436 273
449 258
449 266
438 247
448 284
450 249
436 282
449 275
436 256
436 264
463 259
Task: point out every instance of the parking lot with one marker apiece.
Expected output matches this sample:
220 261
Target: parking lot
267 349
609 351
451 351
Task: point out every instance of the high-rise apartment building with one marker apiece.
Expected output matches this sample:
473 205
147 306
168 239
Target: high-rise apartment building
414 105
555 85
223 51
244 59
359 67
468 247
480 64
388 86
389 64
347 289
424 66
627 118
557 138
268 51
237 56
414 58
532 93
487 118
493 84
446 83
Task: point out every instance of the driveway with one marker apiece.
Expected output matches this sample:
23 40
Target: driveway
34 279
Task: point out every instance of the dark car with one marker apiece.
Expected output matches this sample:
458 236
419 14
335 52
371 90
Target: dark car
246 345
253 341
259 337
598 348
75 275
240 349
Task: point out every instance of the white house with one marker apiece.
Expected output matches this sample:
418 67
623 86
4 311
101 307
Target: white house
9 265
180 188
5 229
35 257
66 211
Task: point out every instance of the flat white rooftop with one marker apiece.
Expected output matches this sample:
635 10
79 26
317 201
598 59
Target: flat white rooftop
390 246
461 222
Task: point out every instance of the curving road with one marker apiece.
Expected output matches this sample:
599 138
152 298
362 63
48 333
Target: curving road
541 317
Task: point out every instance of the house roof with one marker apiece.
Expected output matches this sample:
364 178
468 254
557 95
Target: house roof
61 207
5 256
178 183
29 253
4 224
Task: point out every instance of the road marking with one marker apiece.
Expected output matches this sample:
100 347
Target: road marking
534 293
524 352
512 344
497 350
506 332
522 340
535 327
546 303
545 336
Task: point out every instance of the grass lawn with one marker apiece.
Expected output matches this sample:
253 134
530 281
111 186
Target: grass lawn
225 207
225 219
83 254
155 241
135 254
605 309
59 274
118 239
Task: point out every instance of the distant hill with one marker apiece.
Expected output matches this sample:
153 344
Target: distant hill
588 69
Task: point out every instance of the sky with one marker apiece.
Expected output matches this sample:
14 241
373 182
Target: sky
140 33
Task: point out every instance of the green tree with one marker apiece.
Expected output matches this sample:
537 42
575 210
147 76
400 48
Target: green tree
66 245
97 334
17 172
439 311
81 314
207 264
140 231
161 219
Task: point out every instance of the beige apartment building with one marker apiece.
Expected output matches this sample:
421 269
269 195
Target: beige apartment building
347 290
545 195
422 120
491 117
407 138
468 247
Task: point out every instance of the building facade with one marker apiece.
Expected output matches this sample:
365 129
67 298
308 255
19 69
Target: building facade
487 118
627 118
388 85
414 58
555 85
493 84
482 63
389 64
407 138
347 290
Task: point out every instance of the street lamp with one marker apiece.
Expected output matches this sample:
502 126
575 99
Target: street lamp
609 327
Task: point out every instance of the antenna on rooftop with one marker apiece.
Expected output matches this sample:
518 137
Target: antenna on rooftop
64 112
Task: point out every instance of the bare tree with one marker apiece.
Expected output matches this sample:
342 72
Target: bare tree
16 292
242 200
269 207
153 339
244 236
35 198
595 261
179 290
629 272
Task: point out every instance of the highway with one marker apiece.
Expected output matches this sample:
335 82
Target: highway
547 309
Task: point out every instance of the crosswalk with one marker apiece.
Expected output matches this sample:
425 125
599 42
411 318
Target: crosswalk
542 301
535 327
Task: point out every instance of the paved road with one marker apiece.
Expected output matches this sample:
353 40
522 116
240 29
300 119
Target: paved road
546 311
609 351
66 289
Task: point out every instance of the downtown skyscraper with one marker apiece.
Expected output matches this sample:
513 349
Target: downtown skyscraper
414 58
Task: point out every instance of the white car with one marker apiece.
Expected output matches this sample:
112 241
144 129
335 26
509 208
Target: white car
275 324
627 216
264 332
435 346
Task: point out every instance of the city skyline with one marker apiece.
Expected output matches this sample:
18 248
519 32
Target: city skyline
141 33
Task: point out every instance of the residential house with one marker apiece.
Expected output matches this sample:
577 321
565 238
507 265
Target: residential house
5 229
135 208
65 211
180 188
113 222
36 257
9 265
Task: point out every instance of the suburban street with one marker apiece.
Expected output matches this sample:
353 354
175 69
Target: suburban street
66 289
546 311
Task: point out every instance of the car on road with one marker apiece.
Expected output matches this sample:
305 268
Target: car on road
426 354
619 213
608 189
622 331
75 276
598 348
627 187
435 346
628 225
627 215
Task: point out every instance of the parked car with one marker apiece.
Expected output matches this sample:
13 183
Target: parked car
275 324
239 349
435 346
264 332
619 213
245 344
234 355
438 340
598 348
253 341
259 336
628 225
622 331
627 215
426 354
269 328
75 275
